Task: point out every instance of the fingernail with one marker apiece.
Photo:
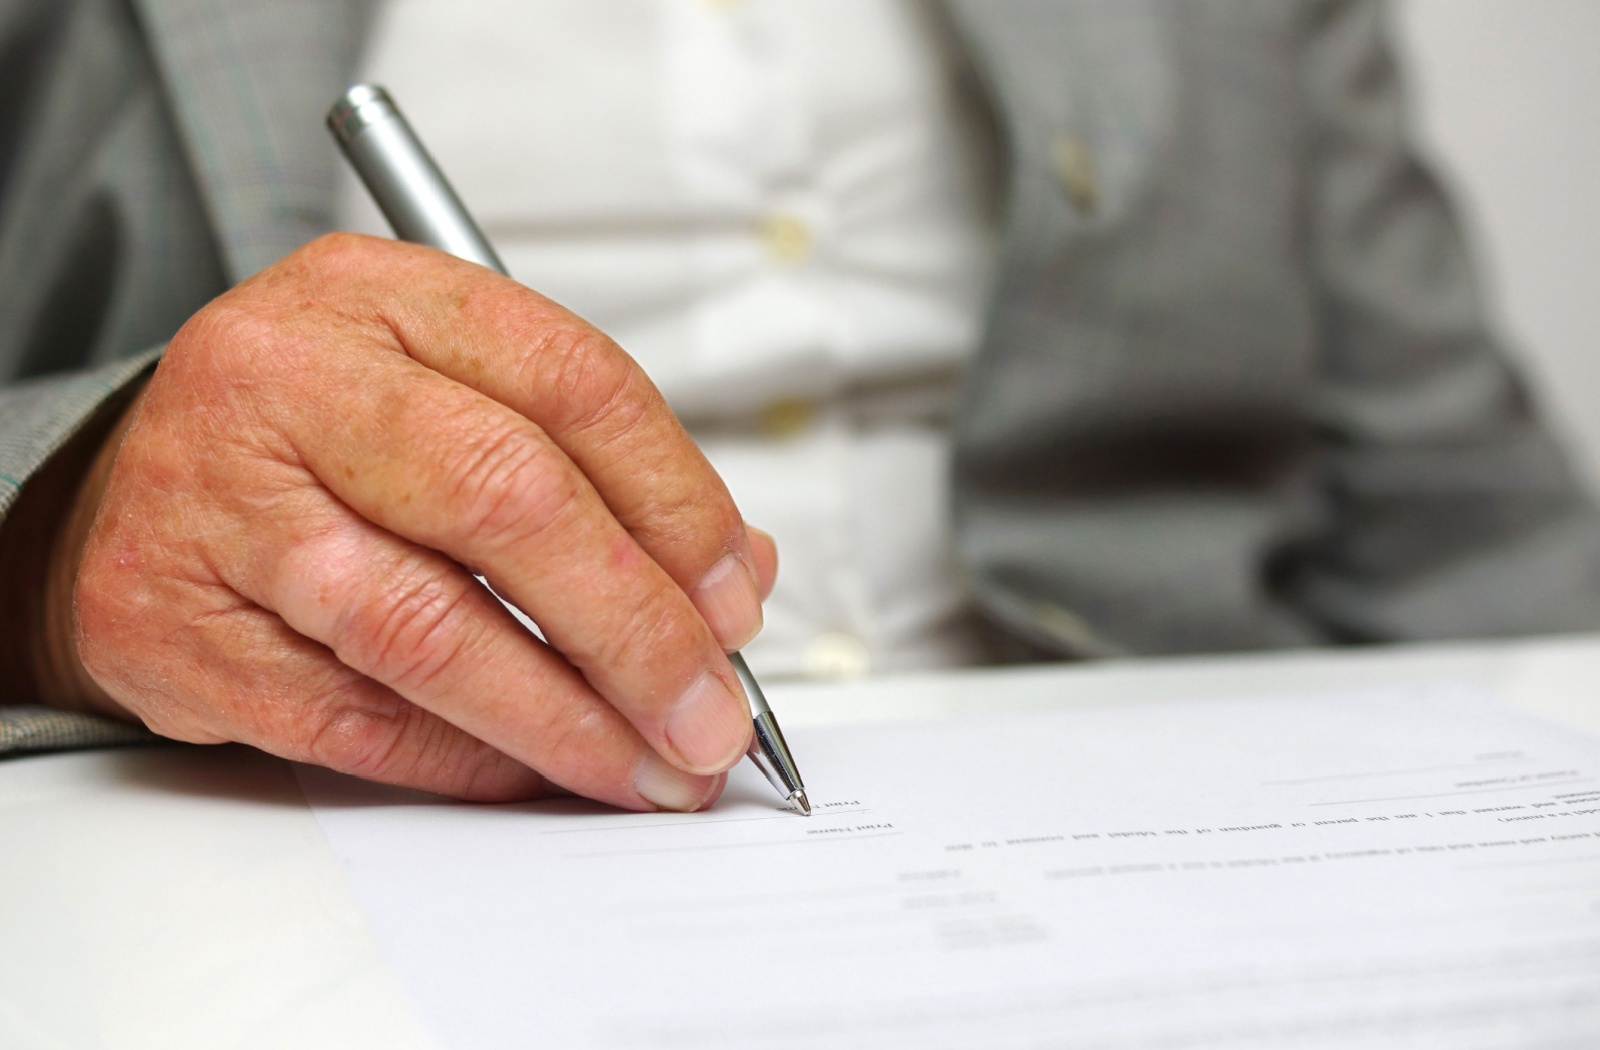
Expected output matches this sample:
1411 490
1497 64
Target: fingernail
751 533
709 727
667 788
757 531
727 598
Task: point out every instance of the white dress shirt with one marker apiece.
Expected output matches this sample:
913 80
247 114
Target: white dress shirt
781 209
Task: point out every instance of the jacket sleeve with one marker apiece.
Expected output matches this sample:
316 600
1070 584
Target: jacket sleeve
1451 510
37 418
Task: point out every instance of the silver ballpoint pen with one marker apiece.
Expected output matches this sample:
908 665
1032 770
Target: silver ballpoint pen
415 197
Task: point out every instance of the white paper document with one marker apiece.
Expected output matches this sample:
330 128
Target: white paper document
1414 867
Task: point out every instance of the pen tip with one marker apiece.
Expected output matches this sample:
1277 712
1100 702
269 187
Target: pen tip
801 803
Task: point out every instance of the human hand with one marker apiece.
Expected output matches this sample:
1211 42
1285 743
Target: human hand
283 550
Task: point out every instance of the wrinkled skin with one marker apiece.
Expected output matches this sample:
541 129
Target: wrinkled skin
283 548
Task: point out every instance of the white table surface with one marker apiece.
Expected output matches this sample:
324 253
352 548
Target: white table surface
185 897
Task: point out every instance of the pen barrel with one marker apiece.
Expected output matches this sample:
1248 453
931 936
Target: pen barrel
770 752
403 179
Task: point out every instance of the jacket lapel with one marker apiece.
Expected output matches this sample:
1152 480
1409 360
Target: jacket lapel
250 81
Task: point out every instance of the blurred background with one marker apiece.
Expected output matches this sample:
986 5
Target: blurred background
1507 94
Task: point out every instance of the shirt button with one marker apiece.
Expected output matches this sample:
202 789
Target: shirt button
787 238
1074 166
787 417
837 654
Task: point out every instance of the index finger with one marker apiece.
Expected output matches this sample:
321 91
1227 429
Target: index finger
588 395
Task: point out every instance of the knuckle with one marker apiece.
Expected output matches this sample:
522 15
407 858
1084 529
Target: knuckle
568 729
255 324
215 366
411 632
392 740
508 487
655 633
332 255
212 338
336 245
689 519
355 737
593 385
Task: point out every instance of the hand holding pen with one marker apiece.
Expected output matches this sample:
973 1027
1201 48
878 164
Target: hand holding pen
422 208
285 525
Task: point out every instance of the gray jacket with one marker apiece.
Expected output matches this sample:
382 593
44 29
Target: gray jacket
1236 392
